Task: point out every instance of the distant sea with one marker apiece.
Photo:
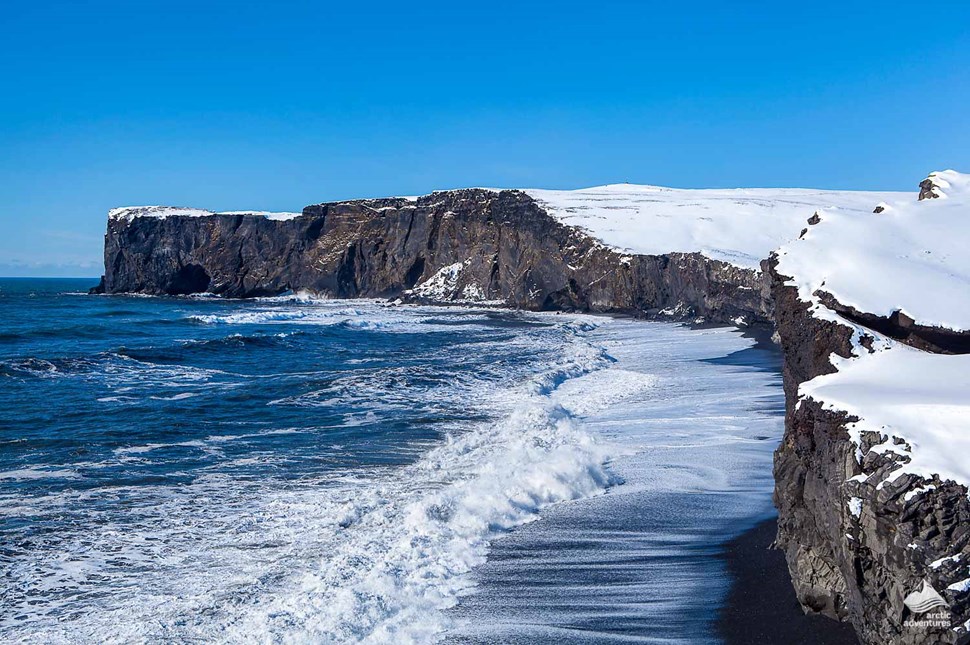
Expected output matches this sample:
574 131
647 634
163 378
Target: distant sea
299 470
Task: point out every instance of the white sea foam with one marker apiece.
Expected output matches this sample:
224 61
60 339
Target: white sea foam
460 495
252 317
176 397
357 555
39 473
692 440
134 450
367 315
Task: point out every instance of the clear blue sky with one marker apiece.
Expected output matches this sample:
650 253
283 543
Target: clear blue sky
274 105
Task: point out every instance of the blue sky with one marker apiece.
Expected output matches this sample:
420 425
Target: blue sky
272 106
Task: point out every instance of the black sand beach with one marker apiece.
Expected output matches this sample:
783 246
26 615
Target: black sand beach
761 608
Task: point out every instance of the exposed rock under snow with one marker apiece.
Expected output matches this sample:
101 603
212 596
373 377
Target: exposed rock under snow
741 226
872 311
442 285
448 284
911 257
922 399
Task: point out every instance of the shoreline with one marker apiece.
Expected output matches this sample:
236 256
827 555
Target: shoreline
646 555
760 606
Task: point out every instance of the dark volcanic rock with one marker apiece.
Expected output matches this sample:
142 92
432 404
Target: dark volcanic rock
848 567
505 245
928 189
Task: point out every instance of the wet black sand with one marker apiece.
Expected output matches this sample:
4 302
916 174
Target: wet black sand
651 565
761 608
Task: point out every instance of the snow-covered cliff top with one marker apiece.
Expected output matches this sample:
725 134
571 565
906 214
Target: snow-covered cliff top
741 226
919 397
131 212
913 256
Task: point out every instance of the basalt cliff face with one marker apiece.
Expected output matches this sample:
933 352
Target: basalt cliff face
467 246
861 527
859 564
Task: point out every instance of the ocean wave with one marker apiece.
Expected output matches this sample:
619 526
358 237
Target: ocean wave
39 473
237 340
395 567
210 443
181 396
388 387
363 317
393 588
352 556
36 367
301 296
118 379
251 317
244 543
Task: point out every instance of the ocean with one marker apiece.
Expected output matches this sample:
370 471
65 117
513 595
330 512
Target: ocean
306 471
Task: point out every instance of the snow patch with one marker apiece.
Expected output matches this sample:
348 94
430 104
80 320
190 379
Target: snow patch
161 212
739 226
902 392
855 506
936 564
916 492
442 285
445 285
911 257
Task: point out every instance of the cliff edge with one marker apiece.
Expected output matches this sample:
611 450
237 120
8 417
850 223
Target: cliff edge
871 477
624 248
463 246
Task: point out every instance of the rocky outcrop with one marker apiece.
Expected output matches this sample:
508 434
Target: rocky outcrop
457 246
857 542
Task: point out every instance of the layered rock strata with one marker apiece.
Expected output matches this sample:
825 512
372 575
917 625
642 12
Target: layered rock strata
462 246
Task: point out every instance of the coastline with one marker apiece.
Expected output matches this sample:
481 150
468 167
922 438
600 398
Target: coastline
647 554
759 604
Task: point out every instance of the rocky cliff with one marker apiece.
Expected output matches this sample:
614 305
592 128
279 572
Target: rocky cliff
862 520
458 246
856 542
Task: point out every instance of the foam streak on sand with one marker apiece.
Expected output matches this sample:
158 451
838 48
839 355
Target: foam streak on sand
692 418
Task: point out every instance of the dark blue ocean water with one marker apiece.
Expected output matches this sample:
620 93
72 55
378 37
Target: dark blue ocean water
87 377
124 416
289 469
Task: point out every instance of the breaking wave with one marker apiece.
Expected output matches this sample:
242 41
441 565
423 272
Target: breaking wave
317 481
358 556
